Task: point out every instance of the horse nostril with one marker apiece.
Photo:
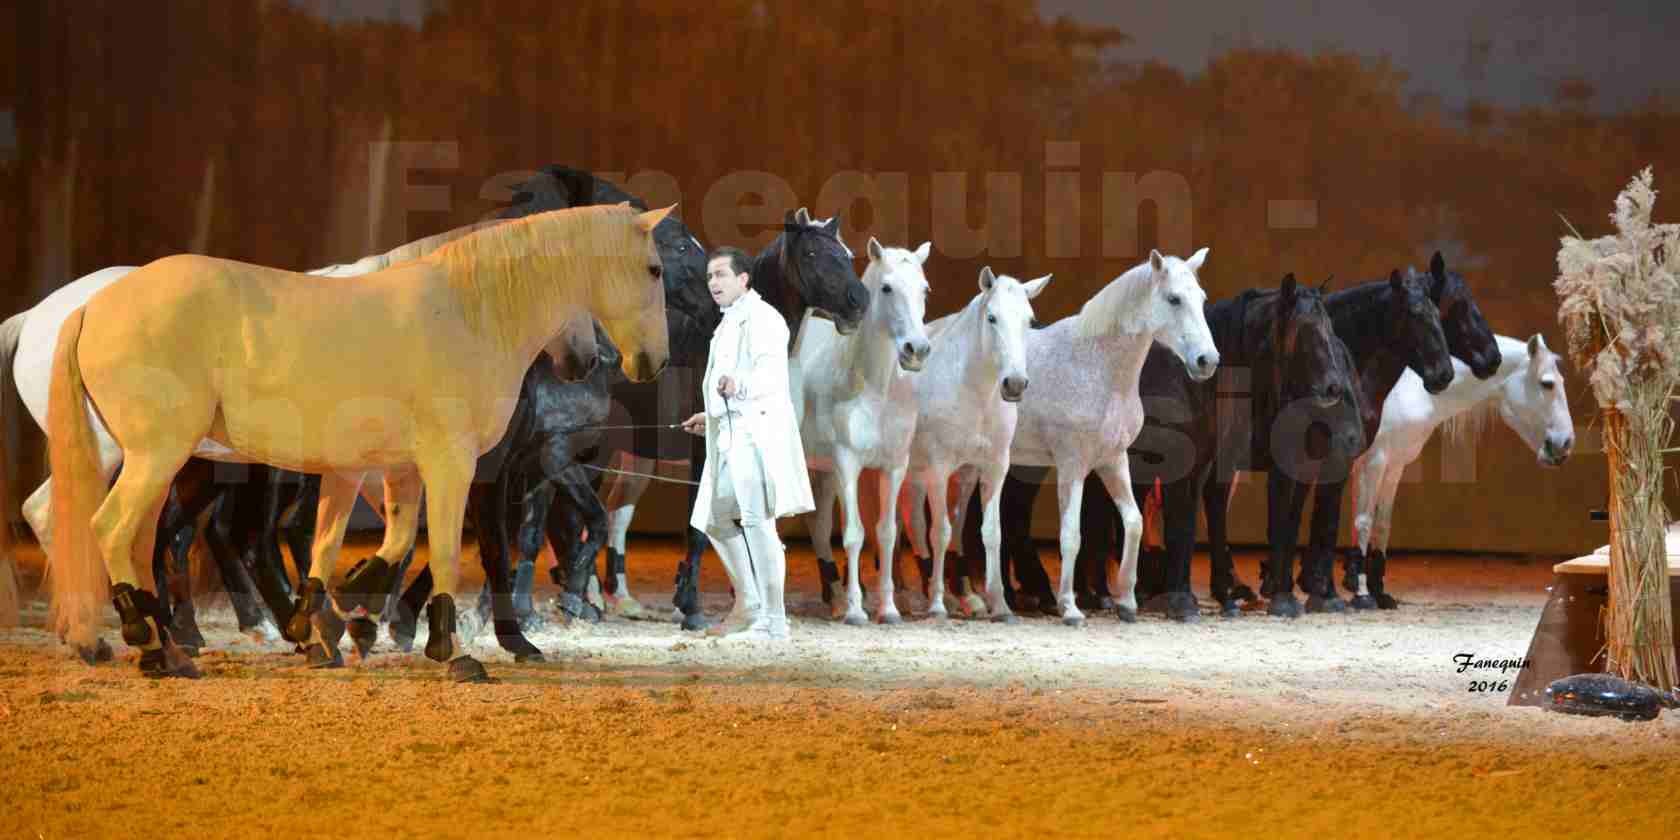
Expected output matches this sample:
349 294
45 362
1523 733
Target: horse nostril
857 298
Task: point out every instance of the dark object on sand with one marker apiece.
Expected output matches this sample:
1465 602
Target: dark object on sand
1603 694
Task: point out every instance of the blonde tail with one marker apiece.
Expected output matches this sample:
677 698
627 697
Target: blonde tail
76 574
11 601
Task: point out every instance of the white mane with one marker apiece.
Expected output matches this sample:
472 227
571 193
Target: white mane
1116 309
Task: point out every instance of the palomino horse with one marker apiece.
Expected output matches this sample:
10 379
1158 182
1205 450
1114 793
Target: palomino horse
857 411
966 397
413 370
1528 395
1084 412
27 342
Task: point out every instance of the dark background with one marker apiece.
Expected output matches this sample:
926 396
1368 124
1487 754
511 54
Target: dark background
1344 138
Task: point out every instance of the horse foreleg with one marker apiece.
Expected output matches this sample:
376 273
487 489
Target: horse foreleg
932 485
366 589
1283 526
847 472
617 580
1321 547
588 516
1070 495
820 524
487 508
1374 585
968 514
991 536
1117 479
886 542
447 472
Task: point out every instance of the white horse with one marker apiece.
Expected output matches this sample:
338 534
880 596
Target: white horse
857 411
1528 394
1083 411
966 396
28 363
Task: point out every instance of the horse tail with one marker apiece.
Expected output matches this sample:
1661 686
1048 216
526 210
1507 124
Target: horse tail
75 572
10 600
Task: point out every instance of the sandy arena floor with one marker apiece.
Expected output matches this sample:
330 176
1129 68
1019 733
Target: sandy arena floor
1358 725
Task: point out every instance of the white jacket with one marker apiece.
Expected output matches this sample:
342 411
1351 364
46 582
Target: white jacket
750 345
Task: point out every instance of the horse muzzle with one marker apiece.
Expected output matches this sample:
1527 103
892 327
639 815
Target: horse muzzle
912 355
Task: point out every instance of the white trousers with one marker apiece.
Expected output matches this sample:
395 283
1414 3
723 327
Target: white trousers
743 532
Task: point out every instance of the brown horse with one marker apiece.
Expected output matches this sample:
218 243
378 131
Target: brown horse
413 370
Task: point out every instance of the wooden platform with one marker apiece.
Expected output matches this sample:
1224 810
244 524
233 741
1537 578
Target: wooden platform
1569 637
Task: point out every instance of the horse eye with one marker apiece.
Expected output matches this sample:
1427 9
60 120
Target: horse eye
1174 300
656 271
991 319
886 290
1547 384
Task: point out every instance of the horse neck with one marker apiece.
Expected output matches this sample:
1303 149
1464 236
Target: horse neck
503 302
1120 357
771 283
1227 323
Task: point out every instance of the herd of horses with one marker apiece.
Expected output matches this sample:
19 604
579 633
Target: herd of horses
586 304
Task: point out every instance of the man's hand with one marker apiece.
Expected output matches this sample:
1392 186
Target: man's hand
726 386
695 425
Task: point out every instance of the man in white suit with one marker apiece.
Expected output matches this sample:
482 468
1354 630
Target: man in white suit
755 464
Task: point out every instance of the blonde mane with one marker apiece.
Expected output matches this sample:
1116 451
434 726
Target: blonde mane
510 271
1115 308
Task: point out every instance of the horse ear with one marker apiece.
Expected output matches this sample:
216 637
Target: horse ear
801 217
1288 287
651 219
1157 263
986 279
1438 266
1196 259
1396 282
1536 343
923 252
1036 286
874 249
833 224
1325 286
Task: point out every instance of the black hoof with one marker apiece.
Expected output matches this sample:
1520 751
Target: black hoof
310 599
514 642
318 656
167 662
366 586
1182 607
696 622
440 624
1244 592
1230 609
1284 606
468 670
363 634
1126 614
577 607
1386 601
184 629
403 633
1320 604
1363 602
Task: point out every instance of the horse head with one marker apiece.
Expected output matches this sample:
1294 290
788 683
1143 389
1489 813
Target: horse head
819 265
1469 337
899 290
1534 405
1006 314
1174 312
1414 330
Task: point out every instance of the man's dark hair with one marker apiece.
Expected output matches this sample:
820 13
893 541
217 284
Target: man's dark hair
738 260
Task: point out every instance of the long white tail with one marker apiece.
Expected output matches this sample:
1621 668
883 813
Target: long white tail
11 601
76 576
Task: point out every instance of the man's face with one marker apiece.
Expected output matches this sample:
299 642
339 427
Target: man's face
724 283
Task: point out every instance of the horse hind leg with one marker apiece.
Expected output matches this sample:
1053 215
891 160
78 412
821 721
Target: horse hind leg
125 529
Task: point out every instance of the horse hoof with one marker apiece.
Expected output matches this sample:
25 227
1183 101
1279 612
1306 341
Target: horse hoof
973 606
856 620
892 618
402 635
318 657
695 623
629 608
529 657
167 662
465 669
1320 604
1284 606
1183 608
100 652
1126 614
1230 609
1386 601
574 606
938 612
1243 592
1363 602
521 648
1006 617
1073 620
363 633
